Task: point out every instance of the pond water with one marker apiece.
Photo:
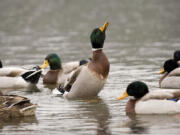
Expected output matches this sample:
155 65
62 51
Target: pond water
141 35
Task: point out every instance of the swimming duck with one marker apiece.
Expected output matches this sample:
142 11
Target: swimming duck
171 64
171 78
26 80
153 102
58 73
176 55
11 71
88 80
12 106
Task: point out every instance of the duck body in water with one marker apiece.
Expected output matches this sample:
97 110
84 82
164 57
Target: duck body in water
171 77
28 80
11 71
12 106
89 79
58 73
143 101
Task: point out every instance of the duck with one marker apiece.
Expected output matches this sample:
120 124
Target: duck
89 79
11 71
58 72
176 55
26 80
157 101
13 106
171 77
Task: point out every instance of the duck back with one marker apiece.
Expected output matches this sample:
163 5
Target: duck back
155 106
12 82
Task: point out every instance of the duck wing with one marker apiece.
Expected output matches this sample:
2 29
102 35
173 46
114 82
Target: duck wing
15 106
162 94
72 78
175 72
70 66
12 100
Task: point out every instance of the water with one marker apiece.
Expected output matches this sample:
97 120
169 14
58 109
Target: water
141 35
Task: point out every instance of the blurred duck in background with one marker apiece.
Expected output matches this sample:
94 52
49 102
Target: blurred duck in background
171 71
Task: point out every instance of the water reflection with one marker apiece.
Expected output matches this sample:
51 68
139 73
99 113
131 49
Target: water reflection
136 126
97 109
140 124
16 122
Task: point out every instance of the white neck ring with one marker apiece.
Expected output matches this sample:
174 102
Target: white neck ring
95 49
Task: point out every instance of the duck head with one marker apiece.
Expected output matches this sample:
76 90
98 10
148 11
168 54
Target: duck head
169 65
176 55
53 61
136 89
98 36
1 64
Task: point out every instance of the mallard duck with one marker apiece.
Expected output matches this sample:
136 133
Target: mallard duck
12 106
25 80
153 102
58 73
176 55
88 80
11 71
171 77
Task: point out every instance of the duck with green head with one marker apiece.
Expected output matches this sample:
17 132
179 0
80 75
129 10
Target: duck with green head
171 70
150 102
58 73
88 80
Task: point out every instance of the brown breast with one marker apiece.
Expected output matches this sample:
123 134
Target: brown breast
99 63
130 107
162 78
51 77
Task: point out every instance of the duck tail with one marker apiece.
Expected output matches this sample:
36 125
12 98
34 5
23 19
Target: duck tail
83 62
32 76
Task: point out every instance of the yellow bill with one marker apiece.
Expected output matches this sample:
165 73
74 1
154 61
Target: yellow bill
124 95
162 71
104 27
45 64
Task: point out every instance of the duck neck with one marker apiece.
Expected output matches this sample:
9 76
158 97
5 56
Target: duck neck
99 63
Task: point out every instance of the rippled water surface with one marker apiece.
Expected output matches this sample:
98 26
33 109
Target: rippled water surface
141 35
